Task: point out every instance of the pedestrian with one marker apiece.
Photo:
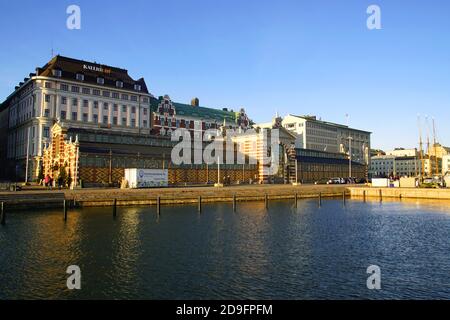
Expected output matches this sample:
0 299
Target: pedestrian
46 181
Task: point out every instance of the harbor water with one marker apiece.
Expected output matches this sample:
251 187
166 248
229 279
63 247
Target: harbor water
283 252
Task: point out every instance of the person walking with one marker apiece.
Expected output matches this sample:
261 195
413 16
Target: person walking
47 181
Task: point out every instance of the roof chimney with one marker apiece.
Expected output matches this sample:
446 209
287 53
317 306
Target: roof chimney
195 102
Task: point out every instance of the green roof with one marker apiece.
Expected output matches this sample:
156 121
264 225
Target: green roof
199 112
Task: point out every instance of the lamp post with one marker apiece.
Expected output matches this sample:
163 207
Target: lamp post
350 156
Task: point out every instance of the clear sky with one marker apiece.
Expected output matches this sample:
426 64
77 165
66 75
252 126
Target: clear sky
301 57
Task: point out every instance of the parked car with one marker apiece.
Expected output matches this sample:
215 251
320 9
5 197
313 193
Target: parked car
322 181
335 181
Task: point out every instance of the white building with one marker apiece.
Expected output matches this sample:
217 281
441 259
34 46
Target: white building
320 135
392 165
446 165
80 94
400 152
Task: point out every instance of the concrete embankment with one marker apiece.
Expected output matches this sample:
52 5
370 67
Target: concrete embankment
182 195
399 193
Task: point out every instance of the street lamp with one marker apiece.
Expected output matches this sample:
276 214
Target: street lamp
350 156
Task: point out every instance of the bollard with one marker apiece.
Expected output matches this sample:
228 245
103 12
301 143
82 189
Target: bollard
65 209
343 198
400 196
2 214
200 204
115 208
320 199
234 203
296 200
266 200
364 195
158 205
381 195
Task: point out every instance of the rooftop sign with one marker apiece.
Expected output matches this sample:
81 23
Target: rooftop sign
96 68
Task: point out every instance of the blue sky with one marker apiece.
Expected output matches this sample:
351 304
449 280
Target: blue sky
301 57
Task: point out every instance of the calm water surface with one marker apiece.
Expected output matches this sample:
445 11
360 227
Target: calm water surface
280 253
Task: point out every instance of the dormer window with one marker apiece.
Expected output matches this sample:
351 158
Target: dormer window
80 77
57 73
137 87
100 80
119 84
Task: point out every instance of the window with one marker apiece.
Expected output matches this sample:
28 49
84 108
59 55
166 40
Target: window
177 123
106 94
145 111
63 115
80 77
74 116
47 113
137 87
105 119
86 90
105 106
85 117
75 89
133 109
63 100
64 87
95 104
124 108
124 121
115 95
57 73
115 120
46 132
48 85
133 98
75 102
47 98
100 80
96 92
124 97
119 84
85 103
145 100
133 123
145 123
95 118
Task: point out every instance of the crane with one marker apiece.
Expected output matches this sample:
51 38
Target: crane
422 164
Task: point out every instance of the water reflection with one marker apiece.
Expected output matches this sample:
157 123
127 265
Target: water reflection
284 252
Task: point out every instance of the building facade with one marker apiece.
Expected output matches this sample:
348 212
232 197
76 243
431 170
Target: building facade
314 134
394 166
169 116
446 165
85 95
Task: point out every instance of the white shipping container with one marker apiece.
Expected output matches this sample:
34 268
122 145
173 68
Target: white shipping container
380 182
146 178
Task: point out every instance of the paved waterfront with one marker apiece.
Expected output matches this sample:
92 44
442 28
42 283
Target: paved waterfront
99 196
